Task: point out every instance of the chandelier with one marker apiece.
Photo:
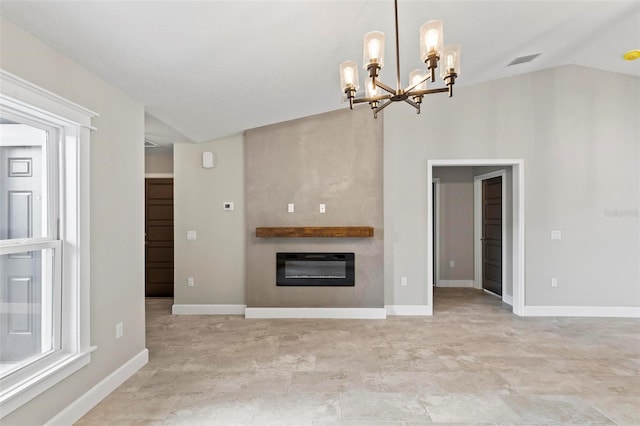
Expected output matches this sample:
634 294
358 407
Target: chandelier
431 51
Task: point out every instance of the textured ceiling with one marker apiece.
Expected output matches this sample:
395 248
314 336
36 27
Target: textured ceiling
209 69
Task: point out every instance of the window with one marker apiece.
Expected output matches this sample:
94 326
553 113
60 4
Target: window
44 269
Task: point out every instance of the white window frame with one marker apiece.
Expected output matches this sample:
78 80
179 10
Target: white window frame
72 127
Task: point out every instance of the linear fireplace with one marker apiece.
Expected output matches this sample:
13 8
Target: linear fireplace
315 269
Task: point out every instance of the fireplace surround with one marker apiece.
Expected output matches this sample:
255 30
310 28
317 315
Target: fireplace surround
306 162
315 269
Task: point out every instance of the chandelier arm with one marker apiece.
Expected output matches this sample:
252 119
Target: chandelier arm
381 107
428 92
395 3
376 98
413 86
385 87
413 104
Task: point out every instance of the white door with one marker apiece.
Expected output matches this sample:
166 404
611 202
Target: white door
21 216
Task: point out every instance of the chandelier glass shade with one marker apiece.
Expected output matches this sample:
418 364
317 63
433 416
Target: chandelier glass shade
379 95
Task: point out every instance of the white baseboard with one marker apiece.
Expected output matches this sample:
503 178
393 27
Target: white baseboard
338 313
508 299
456 283
582 311
93 396
208 309
415 310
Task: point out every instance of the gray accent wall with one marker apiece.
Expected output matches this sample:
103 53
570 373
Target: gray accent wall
216 258
117 214
335 159
578 132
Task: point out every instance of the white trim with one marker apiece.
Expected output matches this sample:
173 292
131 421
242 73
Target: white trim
81 406
518 223
336 313
72 124
158 175
24 92
477 221
208 309
517 199
409 310
16 396
582 311
456 283
437 236
507 298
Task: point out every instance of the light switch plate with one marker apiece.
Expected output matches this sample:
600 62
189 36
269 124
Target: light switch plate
191 235
290 207
323 208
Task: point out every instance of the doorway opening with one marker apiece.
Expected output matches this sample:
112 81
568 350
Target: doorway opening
482 244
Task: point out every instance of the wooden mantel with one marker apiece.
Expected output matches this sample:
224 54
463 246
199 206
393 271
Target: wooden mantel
316 232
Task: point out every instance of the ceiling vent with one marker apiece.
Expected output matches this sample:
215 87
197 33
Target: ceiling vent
150 144
524 59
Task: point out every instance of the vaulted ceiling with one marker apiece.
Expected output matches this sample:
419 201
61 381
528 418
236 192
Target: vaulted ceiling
208 69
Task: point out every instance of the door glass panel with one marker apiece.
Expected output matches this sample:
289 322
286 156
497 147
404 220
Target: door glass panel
26 314
23 181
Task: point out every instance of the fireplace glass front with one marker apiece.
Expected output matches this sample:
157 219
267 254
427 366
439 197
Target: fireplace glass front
315 269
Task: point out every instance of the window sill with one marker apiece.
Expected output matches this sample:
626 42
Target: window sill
31 385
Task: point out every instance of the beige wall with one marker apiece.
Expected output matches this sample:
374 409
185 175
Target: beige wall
335 159
577 130
117 214
456 222
216 258
158 160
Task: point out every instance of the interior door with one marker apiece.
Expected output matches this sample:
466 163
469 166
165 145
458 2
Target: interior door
159 237
492 235
21 273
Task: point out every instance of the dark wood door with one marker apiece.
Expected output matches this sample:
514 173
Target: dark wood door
492 235
159 237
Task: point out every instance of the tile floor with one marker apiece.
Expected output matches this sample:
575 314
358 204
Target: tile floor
473 362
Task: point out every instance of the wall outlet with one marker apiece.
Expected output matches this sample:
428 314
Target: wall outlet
554 282
403 281
119 330
290 208
191 235
190 282
323 208
452 264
